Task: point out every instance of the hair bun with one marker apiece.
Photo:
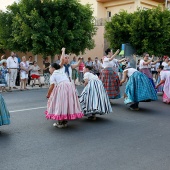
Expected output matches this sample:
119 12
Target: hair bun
56 66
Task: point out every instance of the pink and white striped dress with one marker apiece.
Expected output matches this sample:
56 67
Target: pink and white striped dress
63 103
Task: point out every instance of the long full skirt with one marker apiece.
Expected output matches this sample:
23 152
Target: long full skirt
4 113
139 88
160 88
94 99
148 73
166 89
111 83
63 103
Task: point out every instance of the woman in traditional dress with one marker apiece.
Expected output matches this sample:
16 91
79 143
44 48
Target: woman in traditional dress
4 113
67 68
145 66
63 103
109 78
165 81
166 66
138 88
94 99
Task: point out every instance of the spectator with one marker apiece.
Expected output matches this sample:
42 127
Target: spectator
89 62
73 61
58 60
154 71
74 70
24 69
12 65
80 68
17 83
97 66
30 63
46 72
35 69
3 72
101 60
3 58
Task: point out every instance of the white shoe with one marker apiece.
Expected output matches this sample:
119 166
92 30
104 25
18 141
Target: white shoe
58 125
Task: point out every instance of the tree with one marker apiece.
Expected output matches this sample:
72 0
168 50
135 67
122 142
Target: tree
5 30
144 30
117 30
45 26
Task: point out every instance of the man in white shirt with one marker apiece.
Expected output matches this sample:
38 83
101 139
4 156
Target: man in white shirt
12 65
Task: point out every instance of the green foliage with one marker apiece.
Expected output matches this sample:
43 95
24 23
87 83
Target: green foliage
144 30
45 26
117 30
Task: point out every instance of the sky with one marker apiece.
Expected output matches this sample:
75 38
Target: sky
5 3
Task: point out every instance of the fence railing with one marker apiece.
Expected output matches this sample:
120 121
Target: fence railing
101 21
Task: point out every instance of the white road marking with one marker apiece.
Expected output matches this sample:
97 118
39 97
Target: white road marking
36 108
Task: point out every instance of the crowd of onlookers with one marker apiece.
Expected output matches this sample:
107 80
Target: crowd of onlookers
16 73
19 73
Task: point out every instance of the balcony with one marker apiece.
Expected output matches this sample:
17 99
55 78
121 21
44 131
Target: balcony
101 21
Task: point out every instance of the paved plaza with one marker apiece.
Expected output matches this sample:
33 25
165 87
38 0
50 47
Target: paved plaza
123 140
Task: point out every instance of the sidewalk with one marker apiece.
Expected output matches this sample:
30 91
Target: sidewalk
28 88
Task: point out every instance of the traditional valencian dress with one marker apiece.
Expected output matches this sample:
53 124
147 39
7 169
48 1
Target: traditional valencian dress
94 99
110 79
63 103
4 113
166 68
138 88
165 75
145 69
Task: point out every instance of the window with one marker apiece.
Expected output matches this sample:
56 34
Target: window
109 14
168 5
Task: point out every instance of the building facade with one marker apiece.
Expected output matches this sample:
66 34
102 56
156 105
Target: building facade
105 9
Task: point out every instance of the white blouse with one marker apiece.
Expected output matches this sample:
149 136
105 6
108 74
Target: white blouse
107 63
70 72
90 76
166 66
141 65
58 76
164 75
130 71
25 66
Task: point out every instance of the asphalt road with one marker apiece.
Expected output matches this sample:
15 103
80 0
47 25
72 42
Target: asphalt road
123 140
